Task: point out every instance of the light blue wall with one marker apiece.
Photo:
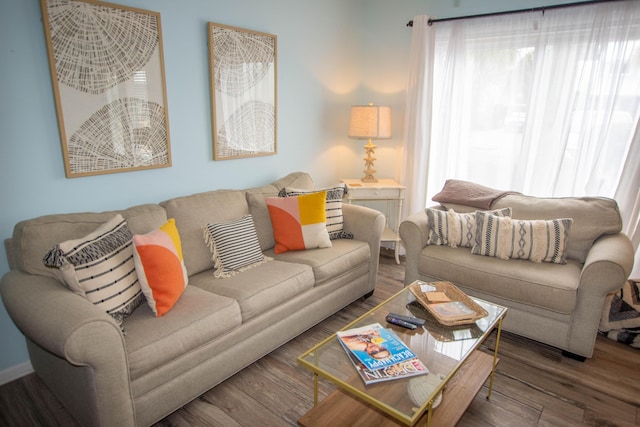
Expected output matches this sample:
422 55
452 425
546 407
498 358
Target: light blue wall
331 54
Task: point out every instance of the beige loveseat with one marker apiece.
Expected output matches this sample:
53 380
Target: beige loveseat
557 304
217 327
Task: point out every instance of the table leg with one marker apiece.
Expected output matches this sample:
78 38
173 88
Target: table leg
495 359
315 389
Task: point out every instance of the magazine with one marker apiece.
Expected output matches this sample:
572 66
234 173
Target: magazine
454 310
375 346
406 369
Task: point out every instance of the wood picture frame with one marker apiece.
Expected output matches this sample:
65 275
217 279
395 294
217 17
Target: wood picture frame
243 73
109 86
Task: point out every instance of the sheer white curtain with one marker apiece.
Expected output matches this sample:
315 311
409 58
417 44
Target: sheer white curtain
543 103
415 152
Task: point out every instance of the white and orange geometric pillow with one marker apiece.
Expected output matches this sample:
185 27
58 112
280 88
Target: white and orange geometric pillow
158 259
299 222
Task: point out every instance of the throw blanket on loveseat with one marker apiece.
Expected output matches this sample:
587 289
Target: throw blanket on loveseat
621 316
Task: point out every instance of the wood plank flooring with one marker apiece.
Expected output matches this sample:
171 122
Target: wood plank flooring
534 384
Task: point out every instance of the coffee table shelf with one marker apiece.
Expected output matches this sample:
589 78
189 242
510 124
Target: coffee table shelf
341 408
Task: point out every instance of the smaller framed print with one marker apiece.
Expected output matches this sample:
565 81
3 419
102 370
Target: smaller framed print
243 72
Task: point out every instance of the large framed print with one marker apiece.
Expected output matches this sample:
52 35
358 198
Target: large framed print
107 68
243 72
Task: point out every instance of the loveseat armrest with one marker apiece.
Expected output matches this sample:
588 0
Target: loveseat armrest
414 232
70 328
608 264
366 225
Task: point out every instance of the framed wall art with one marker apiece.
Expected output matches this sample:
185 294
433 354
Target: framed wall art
107 69
243 74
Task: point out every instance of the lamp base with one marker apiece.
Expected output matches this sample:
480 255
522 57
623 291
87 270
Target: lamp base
368 162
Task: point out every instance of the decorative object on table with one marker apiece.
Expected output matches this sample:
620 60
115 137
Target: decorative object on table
406 369
243 73
109 86
471 311
375 346
421 388
370 122
621 315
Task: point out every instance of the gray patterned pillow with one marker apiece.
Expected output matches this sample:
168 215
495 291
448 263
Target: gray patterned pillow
535 240
455 229
100 267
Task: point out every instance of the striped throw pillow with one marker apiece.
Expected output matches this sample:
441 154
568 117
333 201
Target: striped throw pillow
333 207
100 267
455 229
534 240
234 246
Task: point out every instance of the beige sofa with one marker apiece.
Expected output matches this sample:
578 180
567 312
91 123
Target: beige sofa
557 304
217 327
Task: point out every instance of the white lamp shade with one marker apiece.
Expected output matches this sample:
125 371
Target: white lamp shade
370 121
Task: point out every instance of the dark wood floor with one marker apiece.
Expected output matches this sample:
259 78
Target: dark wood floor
534 384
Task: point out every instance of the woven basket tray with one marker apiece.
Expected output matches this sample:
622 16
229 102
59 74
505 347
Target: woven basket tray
454 294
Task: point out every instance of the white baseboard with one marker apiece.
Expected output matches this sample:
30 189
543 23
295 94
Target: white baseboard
15 372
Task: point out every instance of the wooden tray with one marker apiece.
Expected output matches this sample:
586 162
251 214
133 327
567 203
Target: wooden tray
454 294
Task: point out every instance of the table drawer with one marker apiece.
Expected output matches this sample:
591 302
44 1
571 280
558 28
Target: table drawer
356 193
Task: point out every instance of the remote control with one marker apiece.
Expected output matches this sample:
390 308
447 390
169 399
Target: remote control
399 322
415 320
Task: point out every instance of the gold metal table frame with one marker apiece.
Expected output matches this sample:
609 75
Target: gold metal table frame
444 350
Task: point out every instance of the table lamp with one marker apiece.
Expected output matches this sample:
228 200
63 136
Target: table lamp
370 122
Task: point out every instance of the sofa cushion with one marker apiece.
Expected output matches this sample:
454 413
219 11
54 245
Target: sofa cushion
333 207
546 285
33 238
100 268
345 255
455 229
261 288
234 246
535 240
299 222
160 267
195 211
261 219
198 317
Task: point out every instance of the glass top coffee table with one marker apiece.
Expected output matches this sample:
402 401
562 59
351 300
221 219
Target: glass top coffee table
449 352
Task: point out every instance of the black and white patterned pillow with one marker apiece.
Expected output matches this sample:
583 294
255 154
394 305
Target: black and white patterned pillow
335 219
535 240
234 246
455 229
100 267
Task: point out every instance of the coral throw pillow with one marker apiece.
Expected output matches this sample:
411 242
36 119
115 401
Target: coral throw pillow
299 222
160 267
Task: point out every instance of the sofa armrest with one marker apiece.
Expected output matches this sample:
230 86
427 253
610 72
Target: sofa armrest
607 266
367 225
70 328
414 232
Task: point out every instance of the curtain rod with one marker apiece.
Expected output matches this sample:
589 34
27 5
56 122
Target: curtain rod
533 9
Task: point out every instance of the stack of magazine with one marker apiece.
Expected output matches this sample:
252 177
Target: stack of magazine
379 355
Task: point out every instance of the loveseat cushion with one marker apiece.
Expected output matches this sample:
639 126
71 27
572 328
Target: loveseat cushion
328 263
261 288
546 285
33 238
592 217
197 318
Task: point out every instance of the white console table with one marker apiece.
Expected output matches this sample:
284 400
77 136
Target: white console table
384 190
